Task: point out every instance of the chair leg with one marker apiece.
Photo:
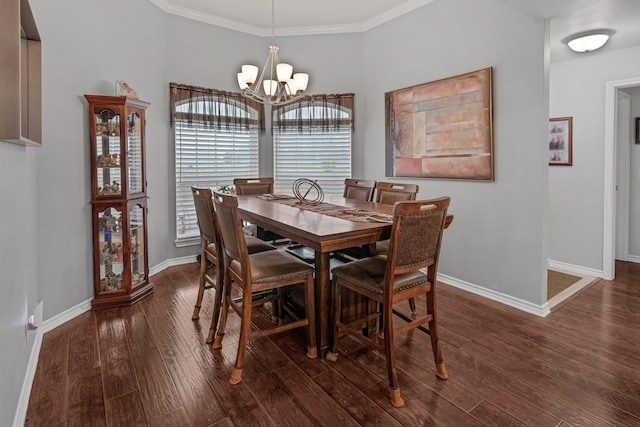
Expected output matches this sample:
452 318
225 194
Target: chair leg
218 298
412 305
312 349
390 353
226 299
332 355
203 271
441 370
236 374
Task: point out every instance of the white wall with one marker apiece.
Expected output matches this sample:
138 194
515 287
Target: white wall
634 199
18 269
497 239
577 89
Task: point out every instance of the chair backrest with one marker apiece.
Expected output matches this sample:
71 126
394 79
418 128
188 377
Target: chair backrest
205 213
416 236
359 189
230 227
391 192
247 186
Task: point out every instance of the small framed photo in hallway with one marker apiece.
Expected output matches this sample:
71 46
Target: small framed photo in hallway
560 144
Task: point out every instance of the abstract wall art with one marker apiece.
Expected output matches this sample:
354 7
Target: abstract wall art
442 129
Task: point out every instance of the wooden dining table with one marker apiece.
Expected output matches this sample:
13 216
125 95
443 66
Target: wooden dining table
322 233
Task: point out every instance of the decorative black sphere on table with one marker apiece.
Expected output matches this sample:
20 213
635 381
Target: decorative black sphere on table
307 191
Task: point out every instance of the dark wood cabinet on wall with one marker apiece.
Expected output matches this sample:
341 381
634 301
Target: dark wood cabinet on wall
118 200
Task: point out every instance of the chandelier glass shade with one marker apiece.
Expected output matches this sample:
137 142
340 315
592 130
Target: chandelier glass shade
276 84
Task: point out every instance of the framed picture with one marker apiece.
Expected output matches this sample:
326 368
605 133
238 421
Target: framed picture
637 130
560 144
441 129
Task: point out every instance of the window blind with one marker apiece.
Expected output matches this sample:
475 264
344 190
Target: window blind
312 139
209 157
322 154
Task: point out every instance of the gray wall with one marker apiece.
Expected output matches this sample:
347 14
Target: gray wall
85 50
576 194
18 269
497 237
498 240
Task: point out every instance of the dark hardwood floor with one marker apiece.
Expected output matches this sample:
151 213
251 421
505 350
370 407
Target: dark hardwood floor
148 365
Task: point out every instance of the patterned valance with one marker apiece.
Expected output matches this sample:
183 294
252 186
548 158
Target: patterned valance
315 112
213 108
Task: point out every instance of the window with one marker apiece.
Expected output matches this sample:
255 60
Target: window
312 139
216 140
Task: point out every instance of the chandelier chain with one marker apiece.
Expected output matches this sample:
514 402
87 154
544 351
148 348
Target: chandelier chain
276 84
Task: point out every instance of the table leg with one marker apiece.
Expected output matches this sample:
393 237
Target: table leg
324 323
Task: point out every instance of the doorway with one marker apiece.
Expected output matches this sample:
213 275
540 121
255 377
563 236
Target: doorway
611 149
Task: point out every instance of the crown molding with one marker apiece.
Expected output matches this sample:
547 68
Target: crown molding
394 13
359 27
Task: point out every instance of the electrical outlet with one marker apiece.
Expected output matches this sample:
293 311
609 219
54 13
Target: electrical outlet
30 323
34 321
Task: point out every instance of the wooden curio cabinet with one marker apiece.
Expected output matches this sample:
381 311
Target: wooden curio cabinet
118 200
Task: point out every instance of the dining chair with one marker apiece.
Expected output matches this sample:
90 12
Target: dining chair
257 186
387 193
416 237
358 189
247 186
253 273
391 192
211 254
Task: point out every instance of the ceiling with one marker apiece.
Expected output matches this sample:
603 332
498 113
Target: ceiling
294 17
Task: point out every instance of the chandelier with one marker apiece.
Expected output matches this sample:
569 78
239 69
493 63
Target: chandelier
276 84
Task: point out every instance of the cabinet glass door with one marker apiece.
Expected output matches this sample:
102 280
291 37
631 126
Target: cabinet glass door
111 250
108 152
137 239
134 153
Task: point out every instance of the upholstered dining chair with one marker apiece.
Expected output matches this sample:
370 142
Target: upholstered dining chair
211 254
254 273
358 189
389 193
416 237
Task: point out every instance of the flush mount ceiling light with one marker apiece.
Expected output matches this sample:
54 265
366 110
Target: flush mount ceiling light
588 41
276 84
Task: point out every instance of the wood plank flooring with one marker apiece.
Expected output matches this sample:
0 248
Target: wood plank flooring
148 365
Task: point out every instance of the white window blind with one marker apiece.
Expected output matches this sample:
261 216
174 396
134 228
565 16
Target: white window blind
209 158
324 155
321 153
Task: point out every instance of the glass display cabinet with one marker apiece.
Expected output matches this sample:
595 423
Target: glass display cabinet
118 200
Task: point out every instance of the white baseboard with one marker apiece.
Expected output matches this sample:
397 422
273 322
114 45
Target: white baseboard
538 310
47 325
574 269
170 263
23 402
54 322
634 258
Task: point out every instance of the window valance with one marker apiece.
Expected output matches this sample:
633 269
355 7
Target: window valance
324 112
213 108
